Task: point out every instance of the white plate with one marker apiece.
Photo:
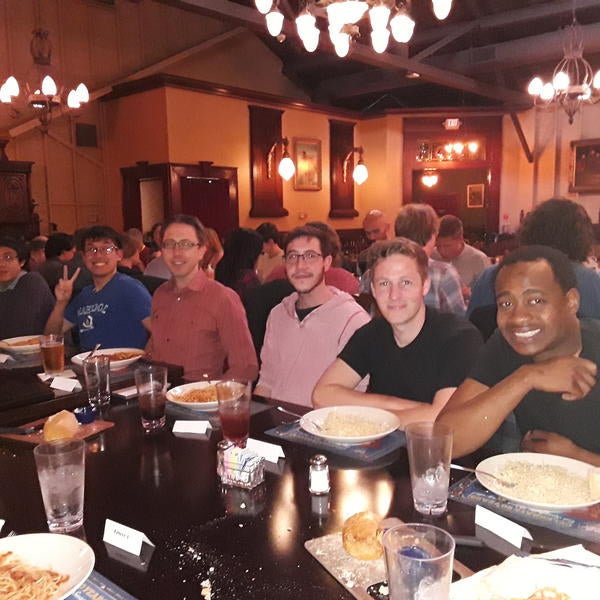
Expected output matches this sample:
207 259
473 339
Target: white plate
115 365
64 554
495 464
8 344
176 393
387 420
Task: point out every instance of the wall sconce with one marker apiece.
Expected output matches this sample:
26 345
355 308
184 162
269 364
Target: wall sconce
429 178
360 173
286 167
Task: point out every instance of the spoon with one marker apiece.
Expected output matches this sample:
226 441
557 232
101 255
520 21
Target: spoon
93 351
502 482
298 417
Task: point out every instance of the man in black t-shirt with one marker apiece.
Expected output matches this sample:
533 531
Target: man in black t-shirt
541 364
415 356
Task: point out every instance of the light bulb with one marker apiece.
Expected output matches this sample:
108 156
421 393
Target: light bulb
596 82
458 147
73 99
547 92
286 168
586 93
429 180
263 6
341 44
402 27
274 22
48 86
535 86
5 97
561 81
448 148
473 147
82 93
12 86
441 8
311 40
305 23
380 39
379 16
360 173
346 12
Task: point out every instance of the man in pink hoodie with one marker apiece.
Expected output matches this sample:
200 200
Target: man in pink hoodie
308 329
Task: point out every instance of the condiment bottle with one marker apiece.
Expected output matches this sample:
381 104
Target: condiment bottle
318 475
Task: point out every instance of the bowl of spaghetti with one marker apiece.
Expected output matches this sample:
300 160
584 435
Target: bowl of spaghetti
200 395
43 566
119 357
24 344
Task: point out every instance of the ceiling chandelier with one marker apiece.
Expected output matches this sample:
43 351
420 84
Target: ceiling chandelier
573 81
39 91
386 16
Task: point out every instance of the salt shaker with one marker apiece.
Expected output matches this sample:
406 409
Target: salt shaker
318 475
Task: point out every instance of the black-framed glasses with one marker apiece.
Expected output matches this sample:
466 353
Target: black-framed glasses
93 250
7 258
181 244
291 258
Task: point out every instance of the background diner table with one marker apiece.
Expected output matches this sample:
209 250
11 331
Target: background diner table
248 543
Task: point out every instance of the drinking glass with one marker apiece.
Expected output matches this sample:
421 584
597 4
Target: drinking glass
418 559
53 353
61 472
96 370
151 383
429 448
234 410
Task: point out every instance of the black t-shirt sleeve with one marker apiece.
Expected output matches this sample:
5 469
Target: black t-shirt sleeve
460 353
357 351
495 361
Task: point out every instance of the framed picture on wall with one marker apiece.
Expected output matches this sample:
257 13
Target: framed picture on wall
307 158
475 195
585 166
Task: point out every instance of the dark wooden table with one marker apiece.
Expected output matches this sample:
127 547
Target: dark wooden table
248 543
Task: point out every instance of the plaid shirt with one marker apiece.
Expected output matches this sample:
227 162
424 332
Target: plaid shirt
445 292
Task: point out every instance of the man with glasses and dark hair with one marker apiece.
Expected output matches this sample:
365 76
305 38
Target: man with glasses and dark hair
197 322
25 299
307 330
114 310
415 356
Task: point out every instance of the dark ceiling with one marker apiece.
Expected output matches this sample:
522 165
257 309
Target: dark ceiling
482 55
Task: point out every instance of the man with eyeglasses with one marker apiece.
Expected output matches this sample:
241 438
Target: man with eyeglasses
307 329
415 356
25 299
114 310
197 322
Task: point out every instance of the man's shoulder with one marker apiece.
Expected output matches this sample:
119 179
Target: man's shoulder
471 252
129 284
447 325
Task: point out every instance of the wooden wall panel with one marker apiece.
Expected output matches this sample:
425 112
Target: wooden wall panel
155 43
128 37
104 53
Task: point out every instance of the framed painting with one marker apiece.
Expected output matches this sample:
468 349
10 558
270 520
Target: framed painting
585 166
475 195
307 158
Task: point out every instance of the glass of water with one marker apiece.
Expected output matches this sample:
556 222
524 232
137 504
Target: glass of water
429 448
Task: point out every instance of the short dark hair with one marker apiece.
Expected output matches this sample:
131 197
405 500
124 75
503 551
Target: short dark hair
186 220
323 236
268 231
451 227
559 262
562 224
417 222
100 232
130 245
57 244
18 246
242 248
37 244
400 245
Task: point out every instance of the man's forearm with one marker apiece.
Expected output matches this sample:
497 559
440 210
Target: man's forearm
55 322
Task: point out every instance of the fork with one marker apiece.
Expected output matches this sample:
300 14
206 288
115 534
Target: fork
502 482
318 427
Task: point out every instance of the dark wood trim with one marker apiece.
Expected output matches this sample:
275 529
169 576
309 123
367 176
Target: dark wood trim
522 139
341 141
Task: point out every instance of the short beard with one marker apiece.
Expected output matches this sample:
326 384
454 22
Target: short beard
312 288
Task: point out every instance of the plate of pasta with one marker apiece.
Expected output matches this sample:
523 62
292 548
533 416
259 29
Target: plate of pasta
43 566
119 357
200 395
24 344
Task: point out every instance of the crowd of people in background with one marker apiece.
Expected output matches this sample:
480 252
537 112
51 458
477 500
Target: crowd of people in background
420 323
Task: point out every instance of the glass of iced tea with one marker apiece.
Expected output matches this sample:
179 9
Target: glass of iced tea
151 383
234 409
53 353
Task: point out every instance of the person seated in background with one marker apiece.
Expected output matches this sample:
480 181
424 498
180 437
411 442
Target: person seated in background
114 310
414 355
376 228
271 255
143 254
541 363
59 250
37 252
558 223
25 299
451 247
307 330
237 268
420 223
198 323
214 253
130 258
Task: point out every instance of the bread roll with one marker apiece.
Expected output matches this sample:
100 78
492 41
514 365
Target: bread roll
361 536
61 426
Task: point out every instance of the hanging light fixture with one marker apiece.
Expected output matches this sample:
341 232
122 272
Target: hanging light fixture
573 82
39 91
360 172
343 17
429 178
286 167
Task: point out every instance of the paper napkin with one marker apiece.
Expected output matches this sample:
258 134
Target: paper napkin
191 426
65 384
270 452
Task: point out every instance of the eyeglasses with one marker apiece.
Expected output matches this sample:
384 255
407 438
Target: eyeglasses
308 257
7 258
181 244
92 251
